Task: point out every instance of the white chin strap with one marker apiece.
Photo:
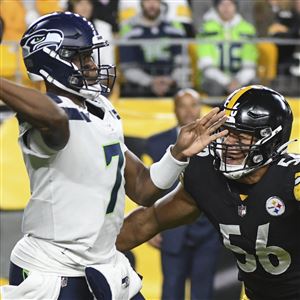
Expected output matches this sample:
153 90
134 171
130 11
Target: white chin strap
232 174
234 171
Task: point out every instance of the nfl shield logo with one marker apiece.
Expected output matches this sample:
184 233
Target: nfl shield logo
242 210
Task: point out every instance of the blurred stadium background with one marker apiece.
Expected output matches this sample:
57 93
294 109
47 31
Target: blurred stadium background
141 118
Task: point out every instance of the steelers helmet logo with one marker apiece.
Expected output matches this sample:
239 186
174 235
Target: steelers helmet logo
275 206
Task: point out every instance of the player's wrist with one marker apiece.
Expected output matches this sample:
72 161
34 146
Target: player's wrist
177 154
165 172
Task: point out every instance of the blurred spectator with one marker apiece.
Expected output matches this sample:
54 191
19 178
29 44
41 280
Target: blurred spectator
286 25
226 63
188 251
107 11
151 69
200 9
264 14
203 8
85 8
179 11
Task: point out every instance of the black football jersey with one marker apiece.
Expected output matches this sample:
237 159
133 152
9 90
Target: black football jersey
259 223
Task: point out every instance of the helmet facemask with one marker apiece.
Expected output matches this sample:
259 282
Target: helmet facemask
257 152
81 80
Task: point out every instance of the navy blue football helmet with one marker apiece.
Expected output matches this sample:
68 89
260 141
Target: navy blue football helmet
261 113
49 46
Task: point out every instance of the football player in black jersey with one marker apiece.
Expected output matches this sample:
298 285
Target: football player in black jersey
249 187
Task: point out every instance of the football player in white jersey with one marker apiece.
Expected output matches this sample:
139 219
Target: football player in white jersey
80 169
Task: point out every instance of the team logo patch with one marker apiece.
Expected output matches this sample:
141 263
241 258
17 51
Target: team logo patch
51 38
275 206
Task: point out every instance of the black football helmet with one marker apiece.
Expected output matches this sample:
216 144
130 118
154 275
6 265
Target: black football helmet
49 45
266 116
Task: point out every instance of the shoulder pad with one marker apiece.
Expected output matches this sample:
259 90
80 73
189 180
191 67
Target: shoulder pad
61 100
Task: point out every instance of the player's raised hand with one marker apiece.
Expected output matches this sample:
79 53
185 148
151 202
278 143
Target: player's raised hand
195 136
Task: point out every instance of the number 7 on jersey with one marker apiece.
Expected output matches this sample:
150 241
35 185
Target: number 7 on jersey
111 151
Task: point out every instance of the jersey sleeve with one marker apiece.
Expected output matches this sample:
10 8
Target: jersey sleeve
70 108
31 140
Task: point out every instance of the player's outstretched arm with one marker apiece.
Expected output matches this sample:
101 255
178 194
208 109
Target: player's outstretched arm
38 110
144 186
175 209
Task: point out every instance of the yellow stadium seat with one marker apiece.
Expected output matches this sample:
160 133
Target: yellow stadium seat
183 10
8 59
127 13
14 19
3 281
48 6
267 62
13 176
192 50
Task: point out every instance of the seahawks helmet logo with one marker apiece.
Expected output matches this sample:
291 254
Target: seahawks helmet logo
50 38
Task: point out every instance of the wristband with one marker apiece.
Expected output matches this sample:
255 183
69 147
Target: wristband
165 172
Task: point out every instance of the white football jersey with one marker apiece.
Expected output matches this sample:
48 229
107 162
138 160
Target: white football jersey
77 194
